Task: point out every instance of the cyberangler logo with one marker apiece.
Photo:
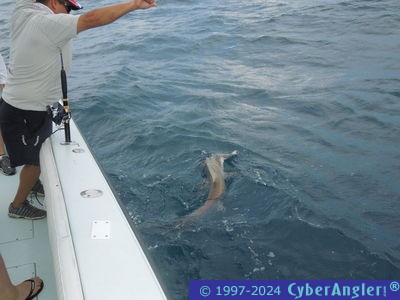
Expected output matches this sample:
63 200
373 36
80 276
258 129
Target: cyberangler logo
336 290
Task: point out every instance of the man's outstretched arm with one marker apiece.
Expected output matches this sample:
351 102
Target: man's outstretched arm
106 15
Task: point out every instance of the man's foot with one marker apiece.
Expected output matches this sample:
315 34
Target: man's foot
5 166
30 288
26 211
27 289
38 189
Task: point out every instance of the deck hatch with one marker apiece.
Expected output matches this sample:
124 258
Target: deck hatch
101 230
91 193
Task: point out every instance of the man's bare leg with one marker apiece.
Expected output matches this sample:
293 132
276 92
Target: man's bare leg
27 179
2 150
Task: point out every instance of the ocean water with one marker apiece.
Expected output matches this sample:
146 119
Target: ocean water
308 92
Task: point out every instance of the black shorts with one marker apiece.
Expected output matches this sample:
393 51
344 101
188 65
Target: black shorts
24 132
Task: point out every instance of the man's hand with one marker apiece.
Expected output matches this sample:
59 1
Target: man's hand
143 4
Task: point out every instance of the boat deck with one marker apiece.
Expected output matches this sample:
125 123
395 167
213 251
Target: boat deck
24 244
86 244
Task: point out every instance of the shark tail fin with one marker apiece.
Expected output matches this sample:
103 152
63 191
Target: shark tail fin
229 155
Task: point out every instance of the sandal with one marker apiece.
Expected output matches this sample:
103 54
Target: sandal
33 286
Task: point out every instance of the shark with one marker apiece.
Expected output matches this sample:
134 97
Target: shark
214 169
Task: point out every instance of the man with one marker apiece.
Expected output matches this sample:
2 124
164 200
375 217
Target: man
41 34
5 166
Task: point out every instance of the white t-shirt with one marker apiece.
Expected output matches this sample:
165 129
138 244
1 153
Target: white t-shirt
3 73
37 38
3 70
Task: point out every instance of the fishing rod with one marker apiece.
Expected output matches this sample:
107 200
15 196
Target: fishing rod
64 88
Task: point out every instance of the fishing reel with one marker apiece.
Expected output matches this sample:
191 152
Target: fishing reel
58 113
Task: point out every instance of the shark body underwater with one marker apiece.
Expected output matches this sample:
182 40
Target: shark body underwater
214 169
